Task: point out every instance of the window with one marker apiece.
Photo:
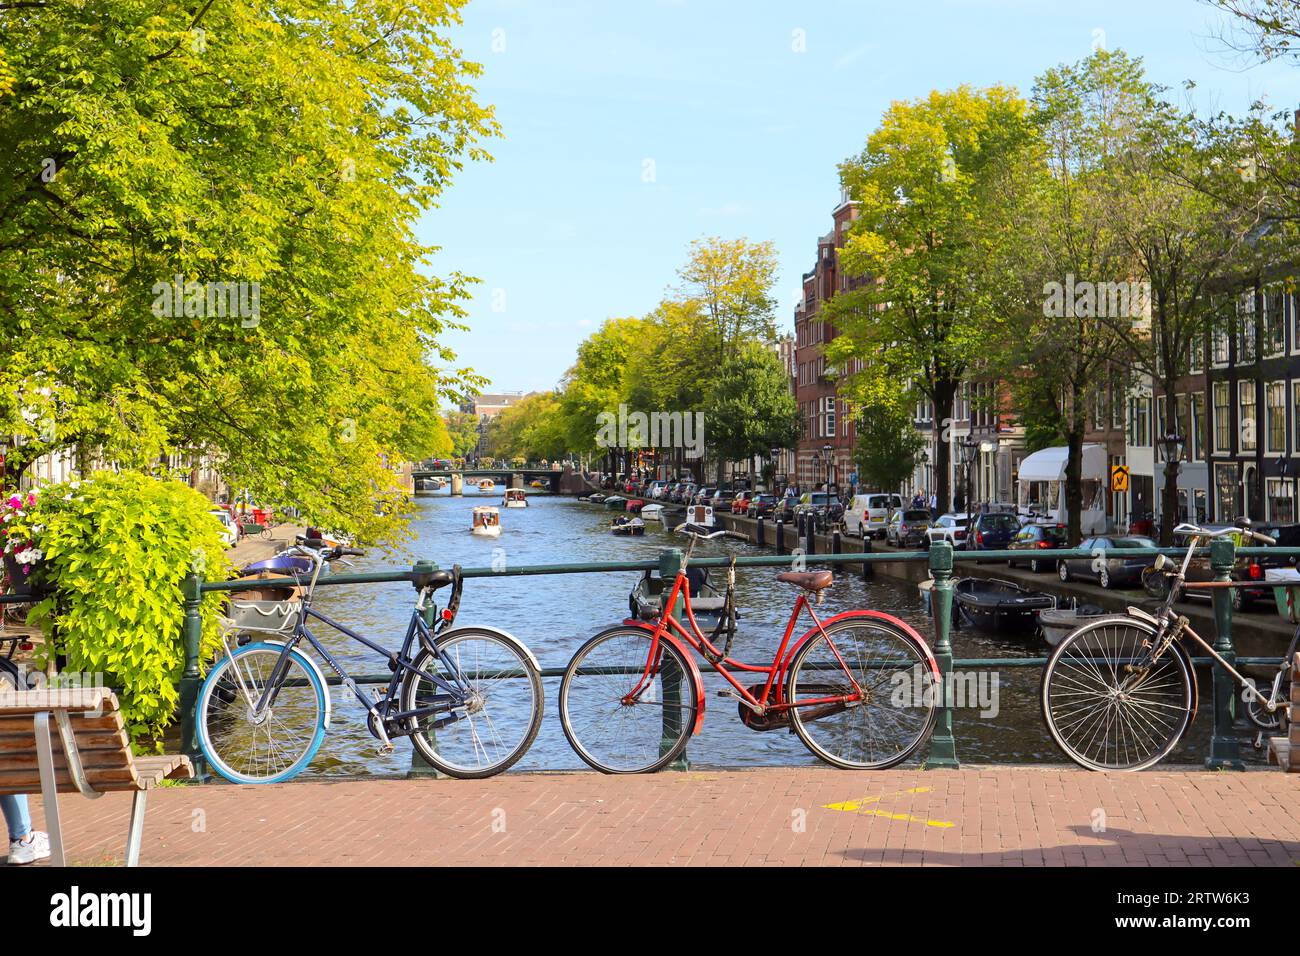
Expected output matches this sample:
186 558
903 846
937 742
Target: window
1116 408
1281 504
1196 437
1223 417
1182 422
1275 416
1246 414
1139 421
1295 414
1196 356
1274 321
1227 491
1246 328
1219 347
1162 428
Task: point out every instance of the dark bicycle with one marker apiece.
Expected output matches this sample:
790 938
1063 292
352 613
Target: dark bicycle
470 698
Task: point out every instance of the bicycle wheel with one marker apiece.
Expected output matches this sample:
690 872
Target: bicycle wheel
1102 714
496 723
275 745
617 736
898 707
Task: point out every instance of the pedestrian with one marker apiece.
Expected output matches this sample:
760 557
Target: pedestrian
25 844
934 506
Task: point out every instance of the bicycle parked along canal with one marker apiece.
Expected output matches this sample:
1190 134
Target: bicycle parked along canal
1119 692
470 698
859 689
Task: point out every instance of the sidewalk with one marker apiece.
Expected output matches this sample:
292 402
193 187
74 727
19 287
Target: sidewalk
792 816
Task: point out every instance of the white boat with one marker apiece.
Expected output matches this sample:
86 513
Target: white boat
437 484
486 484
653 513
515 498
487 522
1059 623
699 515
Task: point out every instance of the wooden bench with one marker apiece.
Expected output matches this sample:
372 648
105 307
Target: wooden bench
86 751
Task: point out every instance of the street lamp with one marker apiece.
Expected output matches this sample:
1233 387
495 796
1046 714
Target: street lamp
775 452
968 447
1171 449
817 466
827 450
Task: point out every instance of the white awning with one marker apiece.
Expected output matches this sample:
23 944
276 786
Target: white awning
1048 464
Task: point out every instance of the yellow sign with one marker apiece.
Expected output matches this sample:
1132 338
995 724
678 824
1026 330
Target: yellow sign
1119 477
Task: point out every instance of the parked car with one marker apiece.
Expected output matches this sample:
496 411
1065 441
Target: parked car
683 493
740 503
229 530
907 527
992 531
951 528
761 506
652 490
1108 572
1036 539
702 495
868 514
721 499
824 508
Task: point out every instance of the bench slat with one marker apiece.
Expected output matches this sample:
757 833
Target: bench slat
86 740
22 724
71 699
104 780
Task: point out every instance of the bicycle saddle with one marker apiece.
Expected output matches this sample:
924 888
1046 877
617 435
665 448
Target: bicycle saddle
808 580
433 579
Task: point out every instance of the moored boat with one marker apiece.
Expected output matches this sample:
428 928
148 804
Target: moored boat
486 485
487 522
653 513
596 499
536 484
515 498
700 515
1058 623
634 505
615 502
627 525
646 599
992 604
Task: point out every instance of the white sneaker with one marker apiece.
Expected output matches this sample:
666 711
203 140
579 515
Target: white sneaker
35 847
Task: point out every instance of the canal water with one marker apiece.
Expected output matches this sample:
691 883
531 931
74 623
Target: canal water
1000 722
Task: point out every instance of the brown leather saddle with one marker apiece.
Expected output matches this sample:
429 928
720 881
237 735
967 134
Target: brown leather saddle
808 580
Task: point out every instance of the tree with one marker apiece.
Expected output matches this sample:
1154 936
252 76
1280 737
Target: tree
530 429
462 428
751 409
887 444
926 305
597 383
276 161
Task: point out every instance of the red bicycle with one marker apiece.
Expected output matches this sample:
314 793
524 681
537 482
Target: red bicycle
859 689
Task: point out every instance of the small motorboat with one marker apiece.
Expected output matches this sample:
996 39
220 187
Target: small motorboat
486 485
487 522
652 513
700 515
992 604
536 484
596 499
437 484
615 502
634 505
1058 623
515 498
627 525
646 599
926 590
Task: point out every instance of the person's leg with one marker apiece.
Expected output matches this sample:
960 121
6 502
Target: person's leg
17 818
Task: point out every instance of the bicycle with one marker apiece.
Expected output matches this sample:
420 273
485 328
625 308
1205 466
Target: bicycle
1120 692
858 689
264 706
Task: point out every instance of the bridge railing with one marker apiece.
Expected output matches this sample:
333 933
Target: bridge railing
940 559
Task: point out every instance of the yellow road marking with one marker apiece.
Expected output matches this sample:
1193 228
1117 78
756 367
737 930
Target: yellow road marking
862 807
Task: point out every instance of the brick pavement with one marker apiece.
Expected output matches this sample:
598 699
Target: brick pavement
794 816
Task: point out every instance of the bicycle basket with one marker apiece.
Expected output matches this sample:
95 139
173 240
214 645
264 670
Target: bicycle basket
276 617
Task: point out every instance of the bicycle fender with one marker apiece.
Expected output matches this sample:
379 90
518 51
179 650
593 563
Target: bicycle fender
492 630
311 662
687 656
862 613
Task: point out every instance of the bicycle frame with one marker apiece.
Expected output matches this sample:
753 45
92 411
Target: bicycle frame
695 638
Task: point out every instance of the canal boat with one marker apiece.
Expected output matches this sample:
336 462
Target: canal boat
626 525
652 513
634 505
536 484
701 516
615 502
646 599
926 590
515 498
487 522
1058 623
596 499
437 484
486 485
998 606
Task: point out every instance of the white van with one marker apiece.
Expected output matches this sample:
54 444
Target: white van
868 514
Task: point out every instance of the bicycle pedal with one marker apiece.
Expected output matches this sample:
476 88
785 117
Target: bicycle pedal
383 750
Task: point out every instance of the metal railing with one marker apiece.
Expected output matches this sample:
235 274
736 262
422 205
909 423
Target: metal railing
941 561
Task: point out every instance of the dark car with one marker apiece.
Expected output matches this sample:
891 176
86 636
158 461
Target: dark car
1108 572
1246 569
683 493
761 506
1038 539
722 499
992 531
906 528
784 509
702 495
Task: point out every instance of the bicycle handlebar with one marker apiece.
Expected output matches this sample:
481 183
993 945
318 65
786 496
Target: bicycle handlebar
1187 528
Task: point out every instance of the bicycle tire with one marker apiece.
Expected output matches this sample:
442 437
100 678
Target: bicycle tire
672 740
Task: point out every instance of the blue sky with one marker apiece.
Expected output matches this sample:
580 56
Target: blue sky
632 127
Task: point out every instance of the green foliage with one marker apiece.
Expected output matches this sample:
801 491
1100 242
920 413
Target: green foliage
117 548
295 146
887 445
528 430
751 409
462 429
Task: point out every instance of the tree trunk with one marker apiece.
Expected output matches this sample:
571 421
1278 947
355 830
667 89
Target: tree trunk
1169 504
1074 470
944 393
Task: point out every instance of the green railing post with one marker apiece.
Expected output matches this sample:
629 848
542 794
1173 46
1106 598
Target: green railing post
191 677
1225 752
943 748
670 563
419 766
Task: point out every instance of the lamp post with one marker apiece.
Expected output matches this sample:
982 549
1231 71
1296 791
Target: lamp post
817 467
968 446
1171 448
830 461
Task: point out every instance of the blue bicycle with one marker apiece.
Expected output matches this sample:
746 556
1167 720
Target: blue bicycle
470 698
